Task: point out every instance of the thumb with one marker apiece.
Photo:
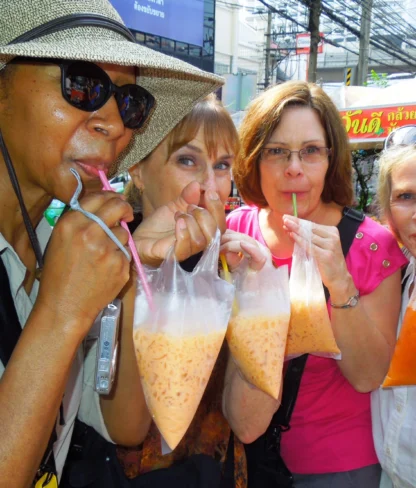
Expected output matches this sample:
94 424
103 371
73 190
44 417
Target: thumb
190 195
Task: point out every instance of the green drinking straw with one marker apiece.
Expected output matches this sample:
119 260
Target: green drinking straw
295 205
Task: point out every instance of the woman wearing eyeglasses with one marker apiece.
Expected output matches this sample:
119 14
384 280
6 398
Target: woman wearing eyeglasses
394 409
51 53
293 142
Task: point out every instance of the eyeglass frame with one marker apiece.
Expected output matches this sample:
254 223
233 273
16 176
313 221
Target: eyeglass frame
289 153
112 87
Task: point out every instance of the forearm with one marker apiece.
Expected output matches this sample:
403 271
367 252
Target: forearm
125 412
366 333
31 390
247 409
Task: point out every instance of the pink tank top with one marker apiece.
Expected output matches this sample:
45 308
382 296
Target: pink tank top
331 423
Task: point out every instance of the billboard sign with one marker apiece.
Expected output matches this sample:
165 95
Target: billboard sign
180 20
303 43
374 124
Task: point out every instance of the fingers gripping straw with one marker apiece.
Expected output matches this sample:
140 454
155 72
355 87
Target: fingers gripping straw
310 329
177 343
256 334
402 370
132 246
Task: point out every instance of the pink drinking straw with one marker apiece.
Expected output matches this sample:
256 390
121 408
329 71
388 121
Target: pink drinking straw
132 246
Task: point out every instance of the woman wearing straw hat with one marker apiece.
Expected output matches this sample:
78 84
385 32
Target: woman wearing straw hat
46 133
293 142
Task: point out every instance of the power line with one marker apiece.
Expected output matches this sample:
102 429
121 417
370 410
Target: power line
328 12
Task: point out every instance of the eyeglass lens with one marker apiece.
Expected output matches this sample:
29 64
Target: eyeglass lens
403 136
87 88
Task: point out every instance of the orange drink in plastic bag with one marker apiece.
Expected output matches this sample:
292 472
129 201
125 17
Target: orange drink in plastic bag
257 331
310 330
178 340
402 370
258 345
174 373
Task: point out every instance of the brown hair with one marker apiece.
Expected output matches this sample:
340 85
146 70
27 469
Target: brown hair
262 118
219 129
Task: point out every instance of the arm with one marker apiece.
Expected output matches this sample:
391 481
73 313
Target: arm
75 286
241 400
366 334
241 403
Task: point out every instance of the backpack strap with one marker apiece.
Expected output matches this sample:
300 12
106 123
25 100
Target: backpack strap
347 228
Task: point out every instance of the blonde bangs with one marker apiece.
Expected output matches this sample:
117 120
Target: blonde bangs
219 128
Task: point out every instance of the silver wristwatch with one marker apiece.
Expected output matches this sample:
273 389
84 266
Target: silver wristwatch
351 302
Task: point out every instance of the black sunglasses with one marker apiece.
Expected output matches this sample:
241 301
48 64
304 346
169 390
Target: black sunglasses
402 136
87 87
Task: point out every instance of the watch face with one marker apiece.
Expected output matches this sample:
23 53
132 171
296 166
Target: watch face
353 302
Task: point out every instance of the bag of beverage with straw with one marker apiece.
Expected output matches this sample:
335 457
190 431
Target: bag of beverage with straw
257 331
402 370
178 341
310 329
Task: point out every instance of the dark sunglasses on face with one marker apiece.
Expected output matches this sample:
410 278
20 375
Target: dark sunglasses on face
88 87
403 136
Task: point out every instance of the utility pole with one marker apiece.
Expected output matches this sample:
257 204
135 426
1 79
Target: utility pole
314 14
268 48
366 7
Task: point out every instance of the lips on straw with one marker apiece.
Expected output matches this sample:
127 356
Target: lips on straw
295 205
132 246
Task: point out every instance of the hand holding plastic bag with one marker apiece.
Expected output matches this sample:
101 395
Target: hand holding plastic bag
310 329
257 333
178 342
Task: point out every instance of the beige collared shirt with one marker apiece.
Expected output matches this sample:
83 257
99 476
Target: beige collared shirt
80 397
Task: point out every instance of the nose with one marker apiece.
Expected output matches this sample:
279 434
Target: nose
208 181
294 165
107 120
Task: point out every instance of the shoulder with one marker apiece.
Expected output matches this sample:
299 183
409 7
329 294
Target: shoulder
374 255
242 217
373 237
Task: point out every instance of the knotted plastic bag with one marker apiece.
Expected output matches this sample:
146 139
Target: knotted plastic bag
310 328
177 343
257 331
402 370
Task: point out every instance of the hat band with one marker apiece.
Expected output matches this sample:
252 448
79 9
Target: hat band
71 21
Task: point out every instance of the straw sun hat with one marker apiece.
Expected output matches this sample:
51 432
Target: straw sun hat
92 30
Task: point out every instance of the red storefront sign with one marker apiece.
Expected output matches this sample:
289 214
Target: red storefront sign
374 124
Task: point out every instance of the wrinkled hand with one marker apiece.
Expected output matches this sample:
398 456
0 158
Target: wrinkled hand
84 269
325 248
236 247
182 223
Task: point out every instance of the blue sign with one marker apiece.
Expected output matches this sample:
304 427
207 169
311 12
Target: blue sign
180 20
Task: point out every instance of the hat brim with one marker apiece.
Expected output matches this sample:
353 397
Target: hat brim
176 85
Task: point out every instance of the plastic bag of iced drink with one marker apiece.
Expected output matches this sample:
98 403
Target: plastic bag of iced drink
257 331
402 370
310 329
178 341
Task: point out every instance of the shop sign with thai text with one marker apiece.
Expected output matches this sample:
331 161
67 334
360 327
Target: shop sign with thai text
376 123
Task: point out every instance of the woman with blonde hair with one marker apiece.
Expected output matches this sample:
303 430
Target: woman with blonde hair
198 151
394 409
